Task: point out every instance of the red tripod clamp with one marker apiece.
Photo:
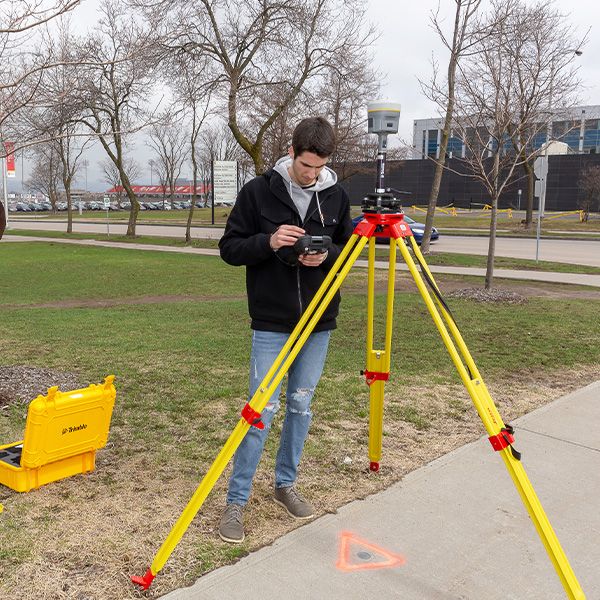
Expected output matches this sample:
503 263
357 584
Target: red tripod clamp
505 439
373 376
252 417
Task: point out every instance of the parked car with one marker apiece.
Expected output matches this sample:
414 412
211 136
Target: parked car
416 228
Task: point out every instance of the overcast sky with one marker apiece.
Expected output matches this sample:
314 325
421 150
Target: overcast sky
406 44
403 52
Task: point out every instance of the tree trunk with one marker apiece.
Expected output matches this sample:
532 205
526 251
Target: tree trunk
437 176
53 196
439 167
489 273
67 185
135 205
188 229
257 159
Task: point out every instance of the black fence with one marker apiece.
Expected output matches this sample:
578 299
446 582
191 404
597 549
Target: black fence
464 191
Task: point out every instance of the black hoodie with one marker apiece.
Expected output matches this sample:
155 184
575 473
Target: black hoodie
278 287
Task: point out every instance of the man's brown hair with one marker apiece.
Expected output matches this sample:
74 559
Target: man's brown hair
315 135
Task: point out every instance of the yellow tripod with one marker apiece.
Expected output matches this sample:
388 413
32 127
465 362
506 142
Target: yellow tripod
380 222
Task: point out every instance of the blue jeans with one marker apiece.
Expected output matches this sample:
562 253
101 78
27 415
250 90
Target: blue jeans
303 376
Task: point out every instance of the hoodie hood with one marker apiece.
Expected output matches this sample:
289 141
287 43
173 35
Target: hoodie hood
302 196
326 179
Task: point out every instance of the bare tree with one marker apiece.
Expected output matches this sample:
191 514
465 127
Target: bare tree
491 111
544 49
589 184
502 99
45 174
21 65
193 90
168 139
57 120
111 174
113 90
258 49
463 38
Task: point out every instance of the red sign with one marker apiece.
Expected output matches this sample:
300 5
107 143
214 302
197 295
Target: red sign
9 148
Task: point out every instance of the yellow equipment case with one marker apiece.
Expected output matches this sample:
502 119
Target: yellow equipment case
62 433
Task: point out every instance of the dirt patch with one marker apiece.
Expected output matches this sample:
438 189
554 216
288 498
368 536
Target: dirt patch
22 383
81 538
495 295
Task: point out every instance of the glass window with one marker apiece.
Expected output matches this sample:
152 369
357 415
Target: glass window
559 128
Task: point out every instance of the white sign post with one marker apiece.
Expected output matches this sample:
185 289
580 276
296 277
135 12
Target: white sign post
107 206
224 181
540 168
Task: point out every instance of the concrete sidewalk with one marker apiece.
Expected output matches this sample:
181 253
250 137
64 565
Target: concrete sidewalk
454 529
546 276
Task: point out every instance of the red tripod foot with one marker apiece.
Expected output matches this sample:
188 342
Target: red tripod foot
374 466
144 581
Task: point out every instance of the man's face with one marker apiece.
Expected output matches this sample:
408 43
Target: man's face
306 167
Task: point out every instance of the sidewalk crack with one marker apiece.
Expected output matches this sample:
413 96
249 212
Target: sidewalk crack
553 437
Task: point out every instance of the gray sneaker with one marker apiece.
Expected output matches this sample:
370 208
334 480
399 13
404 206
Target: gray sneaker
231 528
294 503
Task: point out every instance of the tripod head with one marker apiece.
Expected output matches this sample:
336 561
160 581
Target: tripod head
384 202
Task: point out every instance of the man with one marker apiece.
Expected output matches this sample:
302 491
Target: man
300 196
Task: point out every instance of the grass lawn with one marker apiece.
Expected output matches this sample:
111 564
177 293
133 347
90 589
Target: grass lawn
139 239
173 328
435 258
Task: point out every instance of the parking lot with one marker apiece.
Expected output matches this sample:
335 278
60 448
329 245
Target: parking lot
124 205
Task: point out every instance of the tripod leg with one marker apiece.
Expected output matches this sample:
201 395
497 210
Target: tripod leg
500 435
378 361
252 410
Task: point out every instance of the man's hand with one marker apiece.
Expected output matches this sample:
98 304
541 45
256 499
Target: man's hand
312 260
286 235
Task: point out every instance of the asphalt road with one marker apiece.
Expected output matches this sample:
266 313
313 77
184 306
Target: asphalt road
581 252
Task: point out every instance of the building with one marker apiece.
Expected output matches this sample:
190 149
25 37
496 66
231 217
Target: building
579 127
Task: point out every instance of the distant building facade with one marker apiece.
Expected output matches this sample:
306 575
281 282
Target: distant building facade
579 127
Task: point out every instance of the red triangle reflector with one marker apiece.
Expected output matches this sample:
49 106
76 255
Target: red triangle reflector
347 558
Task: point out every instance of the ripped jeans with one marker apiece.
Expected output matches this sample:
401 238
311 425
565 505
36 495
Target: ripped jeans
303 376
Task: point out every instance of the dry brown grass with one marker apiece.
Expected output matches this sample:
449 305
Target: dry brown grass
83 537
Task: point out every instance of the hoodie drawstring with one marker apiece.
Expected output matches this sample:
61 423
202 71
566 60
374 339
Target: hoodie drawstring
320 211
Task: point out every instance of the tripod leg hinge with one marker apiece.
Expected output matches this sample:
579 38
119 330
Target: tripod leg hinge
504 439
372 376
252 417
